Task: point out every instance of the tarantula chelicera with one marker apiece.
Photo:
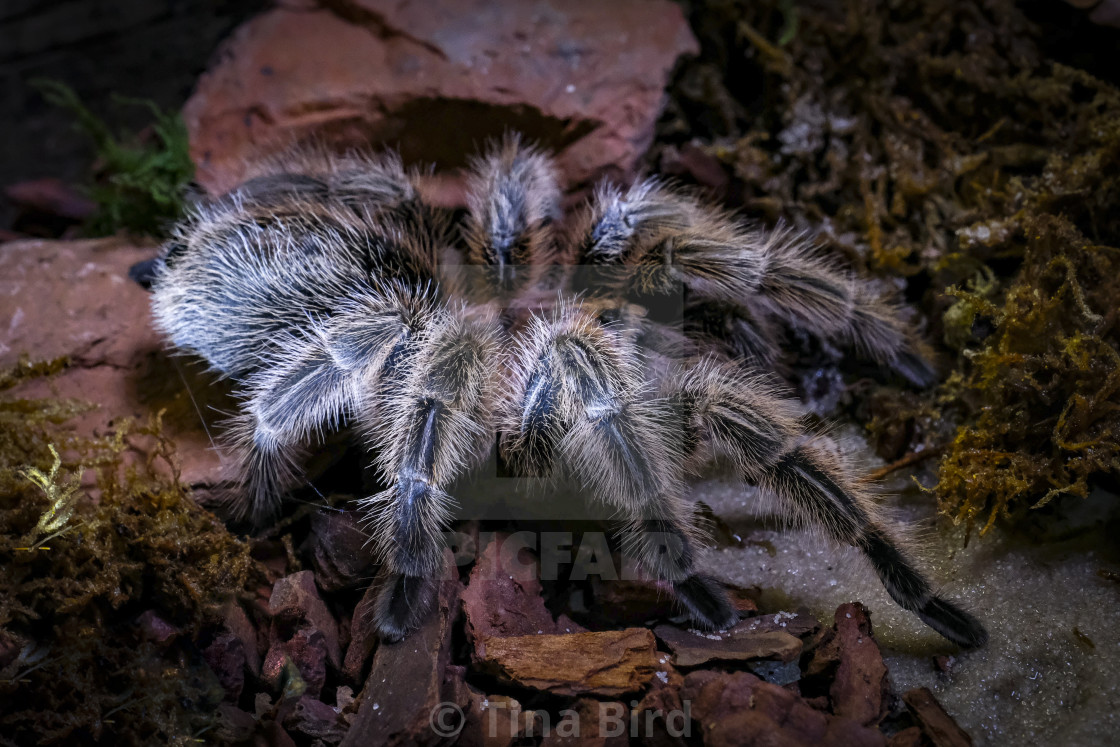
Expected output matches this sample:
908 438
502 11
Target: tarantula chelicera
334 295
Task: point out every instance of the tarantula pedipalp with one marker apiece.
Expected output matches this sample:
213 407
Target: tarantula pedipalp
333 294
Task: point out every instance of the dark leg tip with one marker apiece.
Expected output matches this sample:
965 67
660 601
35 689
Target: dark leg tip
261 518
954 623
706 602
144 273
234 503
402 605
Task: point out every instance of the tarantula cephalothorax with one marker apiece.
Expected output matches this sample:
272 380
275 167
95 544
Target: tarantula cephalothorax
334 295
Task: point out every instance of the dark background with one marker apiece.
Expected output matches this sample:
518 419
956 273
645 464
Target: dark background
152 49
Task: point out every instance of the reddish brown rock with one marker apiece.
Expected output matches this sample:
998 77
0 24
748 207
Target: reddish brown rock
943 663
271 734
303 637
297 664
936 724
740 709
745 601
590 723
155 629
503 596
1104 12
664 691
278 669
237 624
695 163
233 725
339 550
584 77
660 711
226 658
408 680
51 196
911 737
741 643
796 624
363 637
608 663
233 651
626 602
773 636
74 298
821 703
316 719
492 720
859 678
295 600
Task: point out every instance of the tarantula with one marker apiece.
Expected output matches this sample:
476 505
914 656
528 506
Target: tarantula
335 296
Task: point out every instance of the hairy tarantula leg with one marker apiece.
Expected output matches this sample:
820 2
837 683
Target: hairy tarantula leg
749 336
513 199
661 239
313 172
804 477
435 426
266 468
741 418
576 402
313 382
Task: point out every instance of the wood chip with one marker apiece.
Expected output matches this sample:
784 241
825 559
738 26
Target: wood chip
408 680
741 710
936 724
741 643
608 663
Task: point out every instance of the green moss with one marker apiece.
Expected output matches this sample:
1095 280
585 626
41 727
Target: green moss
93 532
140 182
1044 413
932 141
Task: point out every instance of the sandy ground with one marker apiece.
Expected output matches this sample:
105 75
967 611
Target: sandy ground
1048 674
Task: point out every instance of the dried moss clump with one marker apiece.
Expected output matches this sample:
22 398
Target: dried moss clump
1042 387
94 533
933 143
